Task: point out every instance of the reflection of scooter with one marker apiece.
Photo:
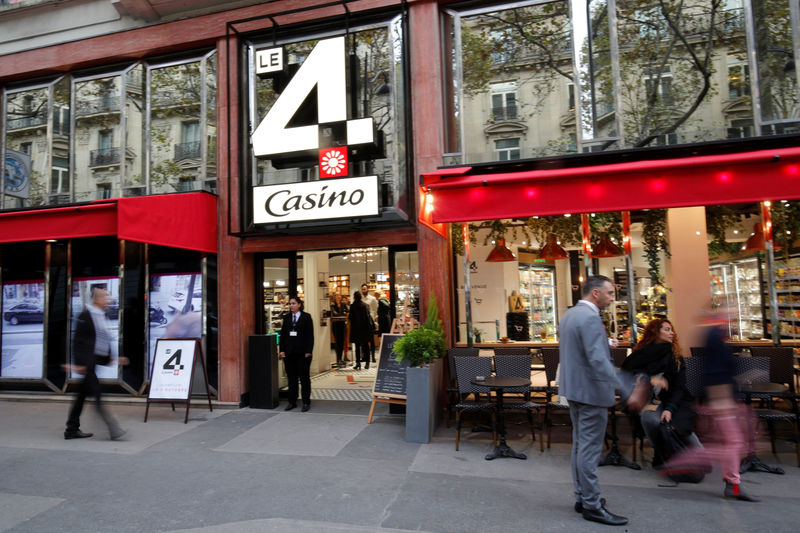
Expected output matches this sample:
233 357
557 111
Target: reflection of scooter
157 315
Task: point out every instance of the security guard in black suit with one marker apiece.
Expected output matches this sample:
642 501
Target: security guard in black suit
296 345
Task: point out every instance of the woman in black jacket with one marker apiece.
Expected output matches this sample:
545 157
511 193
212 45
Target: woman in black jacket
361 329
660 353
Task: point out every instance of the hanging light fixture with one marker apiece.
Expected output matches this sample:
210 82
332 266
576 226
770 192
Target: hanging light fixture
756 241
606 248
552 250
500 253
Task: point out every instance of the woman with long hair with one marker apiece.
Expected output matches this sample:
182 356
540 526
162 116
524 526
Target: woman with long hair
659 353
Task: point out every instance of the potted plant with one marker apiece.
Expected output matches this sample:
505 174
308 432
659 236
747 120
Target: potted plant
423 349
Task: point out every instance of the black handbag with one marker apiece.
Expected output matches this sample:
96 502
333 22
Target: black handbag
672 444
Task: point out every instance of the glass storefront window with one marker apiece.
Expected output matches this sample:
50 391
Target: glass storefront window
182 139
601 75
57 153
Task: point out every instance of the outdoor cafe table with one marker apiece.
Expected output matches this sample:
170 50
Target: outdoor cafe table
752 461
497 384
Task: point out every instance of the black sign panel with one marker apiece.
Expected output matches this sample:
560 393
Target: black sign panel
390 381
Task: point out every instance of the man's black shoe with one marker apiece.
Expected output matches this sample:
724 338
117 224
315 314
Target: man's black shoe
305 408
604 517
77 434
579 505
290 407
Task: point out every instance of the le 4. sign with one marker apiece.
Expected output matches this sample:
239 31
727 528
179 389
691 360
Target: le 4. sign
324 68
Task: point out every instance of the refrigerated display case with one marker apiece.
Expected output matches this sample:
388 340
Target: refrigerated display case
737 284
787 287
537 288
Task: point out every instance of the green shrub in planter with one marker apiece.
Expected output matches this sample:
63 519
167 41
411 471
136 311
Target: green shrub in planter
422 345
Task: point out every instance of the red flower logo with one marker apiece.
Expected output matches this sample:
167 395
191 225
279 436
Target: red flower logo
332 163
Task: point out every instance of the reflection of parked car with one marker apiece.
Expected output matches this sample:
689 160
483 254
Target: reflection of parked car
178 301
157 315
112 309
24 313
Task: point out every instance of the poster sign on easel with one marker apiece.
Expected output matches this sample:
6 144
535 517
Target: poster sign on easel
173 371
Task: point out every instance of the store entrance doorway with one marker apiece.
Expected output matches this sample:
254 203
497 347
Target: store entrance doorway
389 274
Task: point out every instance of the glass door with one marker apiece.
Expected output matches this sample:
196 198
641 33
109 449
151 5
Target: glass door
276 279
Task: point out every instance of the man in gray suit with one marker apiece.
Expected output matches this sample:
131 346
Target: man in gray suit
588 381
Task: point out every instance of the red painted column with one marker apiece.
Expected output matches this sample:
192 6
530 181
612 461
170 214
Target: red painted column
428 137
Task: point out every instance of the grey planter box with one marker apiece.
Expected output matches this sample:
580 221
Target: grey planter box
423 401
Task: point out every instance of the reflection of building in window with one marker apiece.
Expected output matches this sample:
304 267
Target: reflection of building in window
738 81
504 101
740 128
507 149
190 141
26 147
659 88
103 191
106 153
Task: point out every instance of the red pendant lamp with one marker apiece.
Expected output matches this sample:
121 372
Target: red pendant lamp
606 248
500 253
552 250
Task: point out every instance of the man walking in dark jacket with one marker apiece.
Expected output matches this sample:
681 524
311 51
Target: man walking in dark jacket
91 346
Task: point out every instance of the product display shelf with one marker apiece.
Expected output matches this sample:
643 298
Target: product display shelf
537 290
787 288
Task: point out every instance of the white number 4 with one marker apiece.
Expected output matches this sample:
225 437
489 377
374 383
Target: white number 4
324 68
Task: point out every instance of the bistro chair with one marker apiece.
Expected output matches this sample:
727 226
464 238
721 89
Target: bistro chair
697 351
452 387
781 370
467 368
512 350
550 357
519 366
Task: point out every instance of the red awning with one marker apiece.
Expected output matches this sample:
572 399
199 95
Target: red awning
461 195
187 220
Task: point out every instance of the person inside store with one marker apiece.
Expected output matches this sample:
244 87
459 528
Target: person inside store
361 330
339 311
726 441
372 305
91 346
659 354
384 313
296 346
588 381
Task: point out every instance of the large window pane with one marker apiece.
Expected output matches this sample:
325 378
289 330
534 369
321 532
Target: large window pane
211 122
176 103
670 56
777 76
516 74
25 183
134 184
98 138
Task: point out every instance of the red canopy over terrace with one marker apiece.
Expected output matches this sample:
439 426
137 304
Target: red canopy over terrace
187 220
467 193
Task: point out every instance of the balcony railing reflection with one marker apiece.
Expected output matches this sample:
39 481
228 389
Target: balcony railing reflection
106 104
104 156
26 122
187 150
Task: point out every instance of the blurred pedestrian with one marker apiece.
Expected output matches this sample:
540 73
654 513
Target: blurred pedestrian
296 347
727 420
91 346
588 380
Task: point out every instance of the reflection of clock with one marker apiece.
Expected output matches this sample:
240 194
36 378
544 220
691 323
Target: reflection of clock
15 175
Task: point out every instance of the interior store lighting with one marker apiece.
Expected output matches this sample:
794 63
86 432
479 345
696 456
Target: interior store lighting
500 253
606 248
552 250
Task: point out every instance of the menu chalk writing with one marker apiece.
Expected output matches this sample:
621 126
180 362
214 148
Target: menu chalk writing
390 380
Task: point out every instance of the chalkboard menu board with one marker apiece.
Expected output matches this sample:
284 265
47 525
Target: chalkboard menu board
390 382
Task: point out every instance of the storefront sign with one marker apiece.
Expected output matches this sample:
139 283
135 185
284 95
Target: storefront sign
17 174
316 200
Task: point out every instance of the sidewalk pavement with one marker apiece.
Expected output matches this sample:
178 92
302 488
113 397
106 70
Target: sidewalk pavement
325 471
